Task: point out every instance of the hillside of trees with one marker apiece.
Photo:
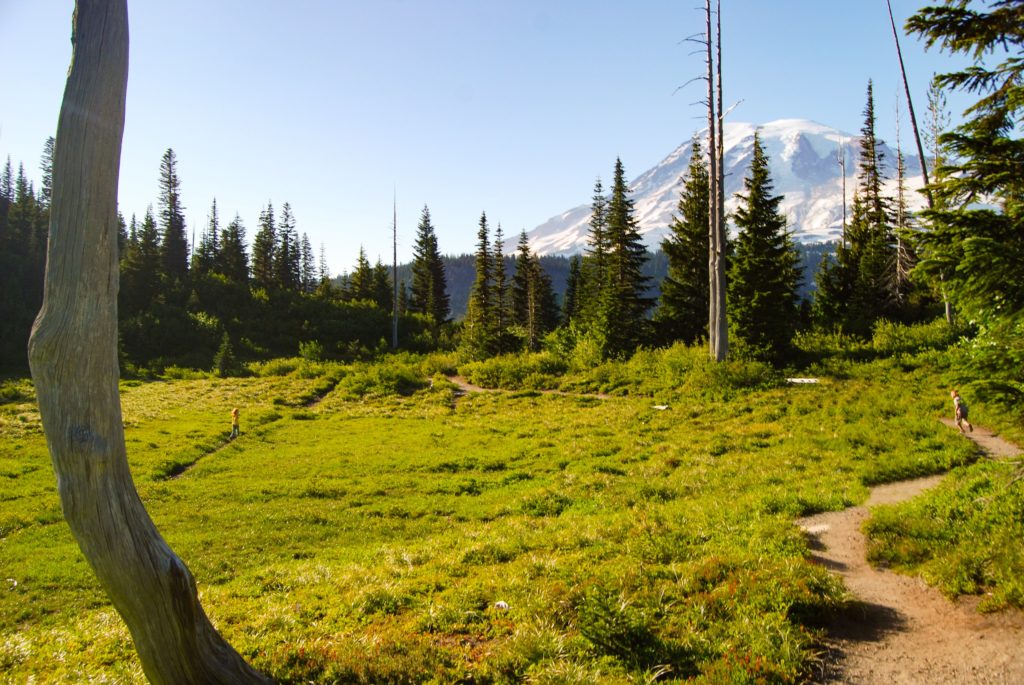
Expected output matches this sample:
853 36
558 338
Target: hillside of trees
228 298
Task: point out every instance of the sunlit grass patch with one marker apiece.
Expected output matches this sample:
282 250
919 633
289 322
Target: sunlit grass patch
393 532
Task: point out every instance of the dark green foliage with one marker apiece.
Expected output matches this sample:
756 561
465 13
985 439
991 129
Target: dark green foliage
764 275
287 259
205 257
861 286
140 269
479 334
360 281
224 362
24 225
624 301
683 310
534 309
383 292
264 250
594 271
173 238
573 292
429 294
976 255
233 262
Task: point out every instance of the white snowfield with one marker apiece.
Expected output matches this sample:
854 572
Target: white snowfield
805 170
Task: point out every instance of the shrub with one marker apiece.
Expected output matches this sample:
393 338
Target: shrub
311 350
528 371
890 338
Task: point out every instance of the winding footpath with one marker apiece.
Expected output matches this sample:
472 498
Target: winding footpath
900 631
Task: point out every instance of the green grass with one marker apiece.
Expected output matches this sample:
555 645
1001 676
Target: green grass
368 537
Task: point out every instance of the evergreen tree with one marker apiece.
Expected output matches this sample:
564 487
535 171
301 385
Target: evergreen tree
324 271
383 291
287 256
573 291
501 294
141 266
595 262
858 286
534 310
360 282
307 265
478 329
233 261
224 362
980 252
174 239
624 303
429 285
264 250
685 297
765 272
207 254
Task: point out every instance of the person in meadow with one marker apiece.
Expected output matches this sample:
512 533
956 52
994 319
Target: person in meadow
960 411
234 424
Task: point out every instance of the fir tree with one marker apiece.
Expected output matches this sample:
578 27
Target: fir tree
478 335
140 270
233 261
429 293
224 362
287 256
501 294
534 310
174 239
264 250
765 274
683 311
307 265
383 291
573 292
360 281
980 252
207 253
595 262
624 303
858 287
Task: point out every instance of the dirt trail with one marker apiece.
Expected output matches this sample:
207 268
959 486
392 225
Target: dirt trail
899 630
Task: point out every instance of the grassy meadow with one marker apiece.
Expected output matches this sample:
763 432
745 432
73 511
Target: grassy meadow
368 521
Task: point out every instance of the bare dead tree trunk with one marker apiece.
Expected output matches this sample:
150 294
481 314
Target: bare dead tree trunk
717 327
73 355
723 321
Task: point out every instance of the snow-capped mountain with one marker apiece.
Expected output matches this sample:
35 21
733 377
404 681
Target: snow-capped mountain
805 170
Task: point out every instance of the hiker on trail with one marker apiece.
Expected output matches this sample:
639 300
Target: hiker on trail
234 424
960 412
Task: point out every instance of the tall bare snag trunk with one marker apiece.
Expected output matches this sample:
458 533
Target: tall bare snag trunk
718 336
73 356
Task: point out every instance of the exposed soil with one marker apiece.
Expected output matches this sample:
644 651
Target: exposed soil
900 630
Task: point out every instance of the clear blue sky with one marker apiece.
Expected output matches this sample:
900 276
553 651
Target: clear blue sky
512 107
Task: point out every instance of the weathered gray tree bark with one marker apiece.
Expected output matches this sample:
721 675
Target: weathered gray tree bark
73 355
718 331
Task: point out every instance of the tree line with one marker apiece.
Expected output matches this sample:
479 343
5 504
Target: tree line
220 298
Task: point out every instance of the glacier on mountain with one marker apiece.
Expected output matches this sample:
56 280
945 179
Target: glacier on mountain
805 170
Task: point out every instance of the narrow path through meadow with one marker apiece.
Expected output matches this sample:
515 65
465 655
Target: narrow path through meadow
900 630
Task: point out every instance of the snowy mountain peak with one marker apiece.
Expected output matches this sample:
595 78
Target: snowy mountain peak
805 169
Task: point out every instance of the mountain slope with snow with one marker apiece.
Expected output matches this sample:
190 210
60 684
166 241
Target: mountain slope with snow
805 170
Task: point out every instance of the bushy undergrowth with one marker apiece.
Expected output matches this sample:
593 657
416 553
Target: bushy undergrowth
389 532
965 536
672 373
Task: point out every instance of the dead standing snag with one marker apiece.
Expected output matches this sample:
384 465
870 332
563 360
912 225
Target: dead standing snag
73 355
